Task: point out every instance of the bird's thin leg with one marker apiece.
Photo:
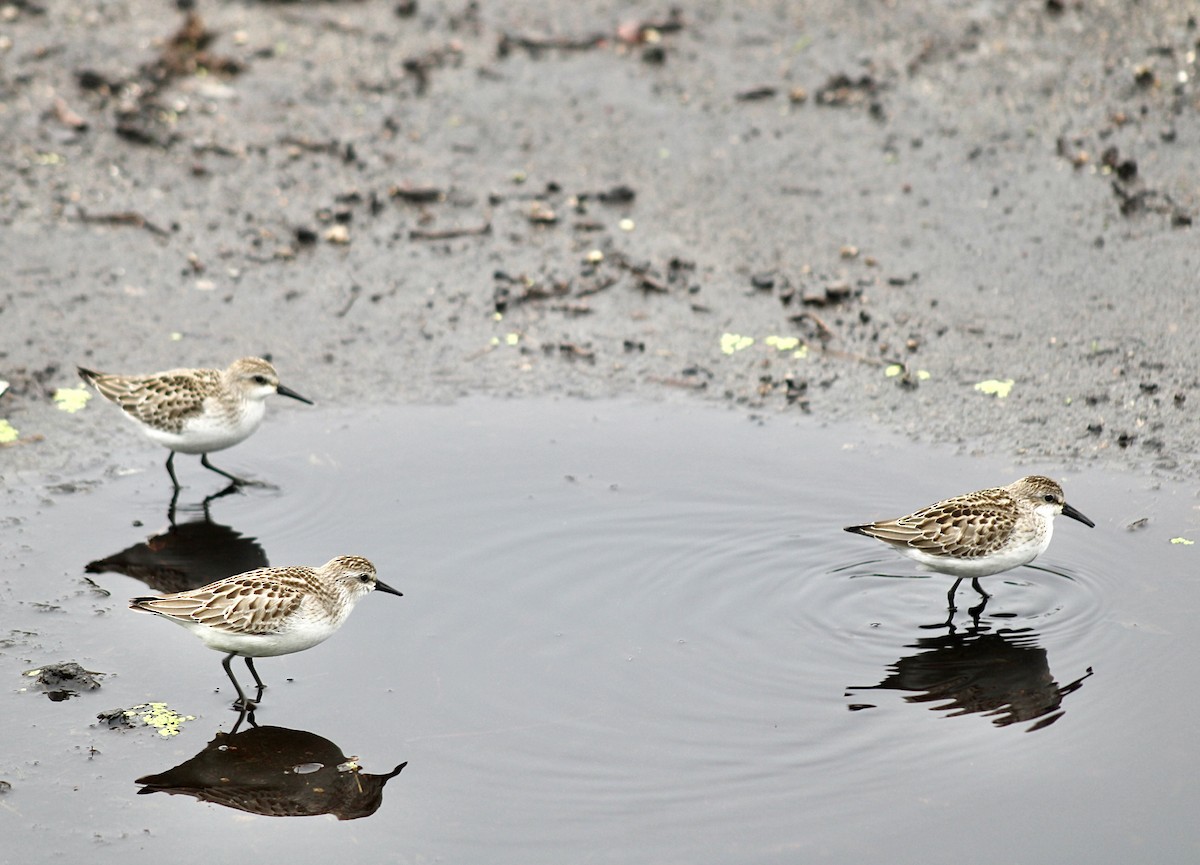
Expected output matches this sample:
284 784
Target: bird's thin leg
258 681
242 702
204 462
975 585
171 471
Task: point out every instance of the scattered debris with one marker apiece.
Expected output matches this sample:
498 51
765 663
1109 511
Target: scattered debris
905 377
999 388
734 342
843 91
417 194
756 93
72 399
535 45
160 716
54 679
513 291
67 117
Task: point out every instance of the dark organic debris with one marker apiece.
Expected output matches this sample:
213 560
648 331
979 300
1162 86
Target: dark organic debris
140 117
1125 169
649 279
641 32
571 350
796 391
649 29
186 53
421 65
515 290
754 94
764 281
620 194
1132 196
115 718
54 679
842 91
818 327
417 194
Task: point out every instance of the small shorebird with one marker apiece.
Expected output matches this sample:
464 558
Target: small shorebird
980 533
269 611
195 411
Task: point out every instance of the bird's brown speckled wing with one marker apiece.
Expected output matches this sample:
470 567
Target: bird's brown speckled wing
966 527
256 602
164 401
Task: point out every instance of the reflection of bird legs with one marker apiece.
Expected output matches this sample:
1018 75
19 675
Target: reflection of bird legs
242 702
171 508
246 714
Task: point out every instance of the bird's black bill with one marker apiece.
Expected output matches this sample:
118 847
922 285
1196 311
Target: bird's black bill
1069 511
287 391
381 586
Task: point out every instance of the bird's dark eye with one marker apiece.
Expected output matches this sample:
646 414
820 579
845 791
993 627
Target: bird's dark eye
260 379
364 578
1050 498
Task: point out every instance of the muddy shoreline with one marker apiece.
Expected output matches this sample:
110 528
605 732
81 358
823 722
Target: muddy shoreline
861 211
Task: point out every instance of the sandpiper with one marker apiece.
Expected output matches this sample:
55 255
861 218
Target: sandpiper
980 533
269 611
195 411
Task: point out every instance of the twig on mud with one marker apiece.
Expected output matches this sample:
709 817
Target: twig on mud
449 233
355 291
825 331
535 44
124 217
603 285
416 194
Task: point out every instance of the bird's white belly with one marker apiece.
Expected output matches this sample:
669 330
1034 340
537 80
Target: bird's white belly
209 432
1011 556
300 636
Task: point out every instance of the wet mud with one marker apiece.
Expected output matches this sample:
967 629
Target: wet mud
964 226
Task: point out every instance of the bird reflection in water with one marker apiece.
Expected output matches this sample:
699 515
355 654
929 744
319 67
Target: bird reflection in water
1003 674
188 554
275 772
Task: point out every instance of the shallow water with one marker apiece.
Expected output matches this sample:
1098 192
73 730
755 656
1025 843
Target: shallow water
629 633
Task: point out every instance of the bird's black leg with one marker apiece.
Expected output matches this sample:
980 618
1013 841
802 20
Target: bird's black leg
242 702
258 681
204 462
171 471
975 585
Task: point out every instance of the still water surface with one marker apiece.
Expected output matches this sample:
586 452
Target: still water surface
630 633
